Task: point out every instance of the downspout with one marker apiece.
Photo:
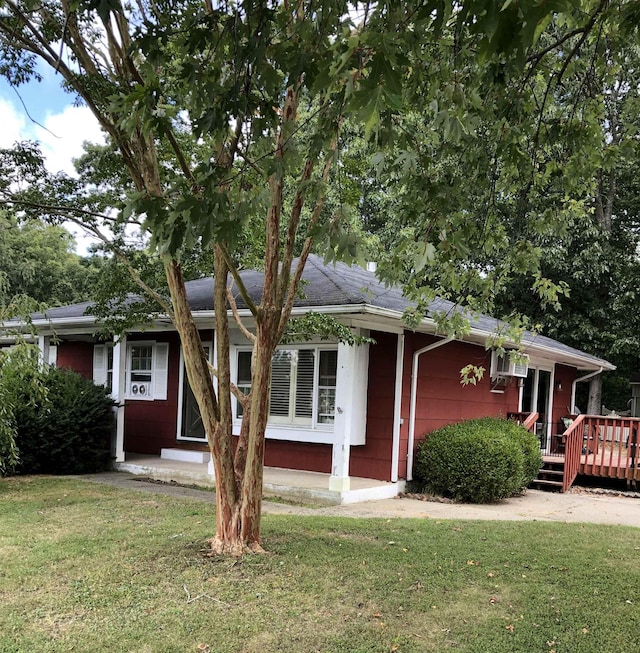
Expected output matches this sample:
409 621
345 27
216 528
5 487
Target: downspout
397 408
586 377
414 392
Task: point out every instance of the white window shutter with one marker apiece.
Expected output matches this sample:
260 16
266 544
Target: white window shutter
100 364
160 370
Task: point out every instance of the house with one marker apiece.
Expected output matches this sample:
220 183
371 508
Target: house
343 411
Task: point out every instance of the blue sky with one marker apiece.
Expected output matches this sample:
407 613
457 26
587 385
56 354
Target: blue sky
40 98
49 117
61 130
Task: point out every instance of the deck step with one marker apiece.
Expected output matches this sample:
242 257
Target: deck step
551 473
544 484
550 477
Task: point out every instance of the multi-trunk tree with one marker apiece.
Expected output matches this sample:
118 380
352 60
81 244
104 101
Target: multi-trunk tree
227 118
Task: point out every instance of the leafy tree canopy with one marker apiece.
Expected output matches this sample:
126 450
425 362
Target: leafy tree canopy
228 120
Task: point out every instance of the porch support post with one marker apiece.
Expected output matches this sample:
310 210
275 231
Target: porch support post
350 415
397 407
117 392
211 469
339 480
44 342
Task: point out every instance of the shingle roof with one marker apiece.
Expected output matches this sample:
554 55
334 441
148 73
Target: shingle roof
335 285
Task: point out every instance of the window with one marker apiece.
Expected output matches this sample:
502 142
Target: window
103 366
146 369
303 385
243 381
147 365
327 386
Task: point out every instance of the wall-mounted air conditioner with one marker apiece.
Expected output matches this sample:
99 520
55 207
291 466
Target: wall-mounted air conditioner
504 366
140 390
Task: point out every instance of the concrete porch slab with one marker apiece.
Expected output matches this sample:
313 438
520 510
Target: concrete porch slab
289 484
185 455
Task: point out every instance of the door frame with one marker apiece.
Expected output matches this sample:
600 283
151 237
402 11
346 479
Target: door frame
182 379
541 367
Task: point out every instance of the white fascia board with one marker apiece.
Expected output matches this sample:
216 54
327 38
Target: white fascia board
581 362
565 358
426 326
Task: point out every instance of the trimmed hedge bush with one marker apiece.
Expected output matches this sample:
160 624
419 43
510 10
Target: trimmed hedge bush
68 433
478 461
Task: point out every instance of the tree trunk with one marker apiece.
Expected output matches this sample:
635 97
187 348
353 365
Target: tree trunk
594 406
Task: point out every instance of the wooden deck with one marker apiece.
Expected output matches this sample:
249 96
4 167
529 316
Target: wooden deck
607 466
593 445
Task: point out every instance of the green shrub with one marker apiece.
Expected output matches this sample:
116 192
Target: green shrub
70 432
21 383
530 445
478 461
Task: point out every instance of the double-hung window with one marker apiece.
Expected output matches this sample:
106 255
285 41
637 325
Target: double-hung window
303 385
147 367
103 365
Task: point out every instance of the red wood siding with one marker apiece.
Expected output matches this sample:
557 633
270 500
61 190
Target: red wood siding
441 399
151 425
287 455
563 379
76 355
373 459
298 455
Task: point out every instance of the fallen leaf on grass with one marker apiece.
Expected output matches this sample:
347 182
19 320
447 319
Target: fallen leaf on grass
510 628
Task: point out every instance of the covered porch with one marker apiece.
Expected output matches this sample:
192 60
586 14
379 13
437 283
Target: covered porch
288 484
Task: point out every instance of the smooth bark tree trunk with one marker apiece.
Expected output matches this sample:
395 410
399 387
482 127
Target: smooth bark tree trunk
594 406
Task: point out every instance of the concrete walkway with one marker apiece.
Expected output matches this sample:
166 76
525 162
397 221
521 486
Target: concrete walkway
535 505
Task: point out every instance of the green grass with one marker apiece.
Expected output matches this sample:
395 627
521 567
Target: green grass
85 567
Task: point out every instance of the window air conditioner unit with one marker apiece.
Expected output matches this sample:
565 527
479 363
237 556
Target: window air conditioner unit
504 366
142 390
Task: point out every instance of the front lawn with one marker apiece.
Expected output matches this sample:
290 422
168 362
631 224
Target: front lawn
85 567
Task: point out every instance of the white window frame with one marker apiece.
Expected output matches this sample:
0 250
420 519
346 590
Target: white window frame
274 426
158 373
182 380
101 354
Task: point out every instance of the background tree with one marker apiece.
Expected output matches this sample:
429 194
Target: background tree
595 254
38 261
228 117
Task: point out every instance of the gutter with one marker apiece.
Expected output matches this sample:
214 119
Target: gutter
586 377
414 392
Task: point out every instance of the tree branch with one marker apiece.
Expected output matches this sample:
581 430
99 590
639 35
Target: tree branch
238 280
308 244
234 310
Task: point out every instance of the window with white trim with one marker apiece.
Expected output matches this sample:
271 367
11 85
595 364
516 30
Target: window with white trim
303 385
103 365
147 367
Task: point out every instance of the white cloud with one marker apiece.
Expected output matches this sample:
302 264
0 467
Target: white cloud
64 136
13 124
61 141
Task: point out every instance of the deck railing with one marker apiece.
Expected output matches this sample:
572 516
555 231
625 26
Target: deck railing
593 445
528 420
573 439
611 446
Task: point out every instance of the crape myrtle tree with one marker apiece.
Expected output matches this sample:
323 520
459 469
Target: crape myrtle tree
226 117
